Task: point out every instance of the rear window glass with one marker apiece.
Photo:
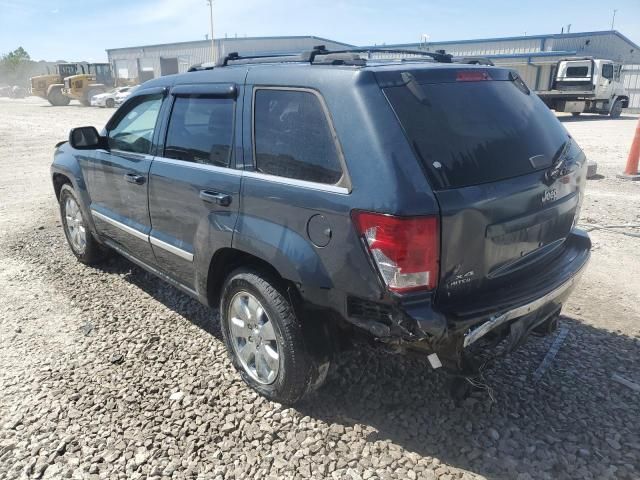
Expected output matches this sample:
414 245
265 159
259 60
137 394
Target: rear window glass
577 72
293 138
472 132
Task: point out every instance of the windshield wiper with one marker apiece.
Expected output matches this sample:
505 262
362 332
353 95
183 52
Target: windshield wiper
558 165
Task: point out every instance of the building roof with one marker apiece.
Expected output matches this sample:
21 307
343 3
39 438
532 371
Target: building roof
520 37
234 39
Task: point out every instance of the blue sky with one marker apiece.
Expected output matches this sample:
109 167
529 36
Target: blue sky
82 30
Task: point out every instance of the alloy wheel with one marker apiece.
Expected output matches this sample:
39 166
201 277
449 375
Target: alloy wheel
253 337
75 225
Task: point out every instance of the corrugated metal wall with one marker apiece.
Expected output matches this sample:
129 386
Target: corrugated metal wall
131 61
492 47
631 77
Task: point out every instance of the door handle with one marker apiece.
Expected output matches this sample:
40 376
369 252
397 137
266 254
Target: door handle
134 178
221 199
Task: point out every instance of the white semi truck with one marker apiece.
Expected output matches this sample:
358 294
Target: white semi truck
587 85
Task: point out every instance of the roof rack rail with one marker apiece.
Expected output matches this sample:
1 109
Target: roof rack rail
439 56
319 50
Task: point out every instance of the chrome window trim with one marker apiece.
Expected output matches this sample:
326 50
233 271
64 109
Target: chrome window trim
134 155
126 228
323 187
198 166
156 242
345 180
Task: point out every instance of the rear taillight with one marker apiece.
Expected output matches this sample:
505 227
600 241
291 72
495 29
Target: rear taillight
406 250
472 76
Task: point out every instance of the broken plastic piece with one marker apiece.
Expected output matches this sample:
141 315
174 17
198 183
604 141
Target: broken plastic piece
434 361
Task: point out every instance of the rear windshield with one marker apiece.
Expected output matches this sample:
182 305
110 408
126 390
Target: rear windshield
577 72
472 132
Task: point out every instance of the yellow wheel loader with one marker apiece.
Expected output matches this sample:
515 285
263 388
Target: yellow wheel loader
82 87
50 86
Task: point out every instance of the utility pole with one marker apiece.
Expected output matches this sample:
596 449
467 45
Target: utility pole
613 20
213 45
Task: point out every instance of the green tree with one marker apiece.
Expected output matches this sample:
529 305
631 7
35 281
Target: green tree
16 67
12 60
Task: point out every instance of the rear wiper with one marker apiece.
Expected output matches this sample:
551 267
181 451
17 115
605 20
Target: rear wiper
558 168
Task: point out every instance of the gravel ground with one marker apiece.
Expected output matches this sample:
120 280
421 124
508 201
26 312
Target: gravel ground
110 373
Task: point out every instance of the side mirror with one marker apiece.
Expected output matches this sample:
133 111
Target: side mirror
86 138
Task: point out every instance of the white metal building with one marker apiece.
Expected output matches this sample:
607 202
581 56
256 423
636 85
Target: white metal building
535 56
150 61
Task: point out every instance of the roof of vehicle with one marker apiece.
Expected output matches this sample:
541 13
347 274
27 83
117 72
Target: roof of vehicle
307 67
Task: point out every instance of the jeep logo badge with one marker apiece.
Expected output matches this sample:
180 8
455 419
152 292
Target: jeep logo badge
549 195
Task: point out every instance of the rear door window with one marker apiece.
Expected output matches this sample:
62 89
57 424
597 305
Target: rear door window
201 130
293 138
577 72
472 132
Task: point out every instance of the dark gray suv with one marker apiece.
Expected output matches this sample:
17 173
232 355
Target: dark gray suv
424 204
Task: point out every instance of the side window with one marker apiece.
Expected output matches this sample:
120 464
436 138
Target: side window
201 130
617 70
134 130
607 70
293 138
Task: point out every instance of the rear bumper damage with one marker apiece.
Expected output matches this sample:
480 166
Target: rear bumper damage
417 326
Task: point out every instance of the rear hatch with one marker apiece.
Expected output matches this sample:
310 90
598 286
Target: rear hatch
507 175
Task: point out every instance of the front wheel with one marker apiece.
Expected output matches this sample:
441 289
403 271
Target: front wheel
110 103
264 338
616 110
57 99
80 239
575 114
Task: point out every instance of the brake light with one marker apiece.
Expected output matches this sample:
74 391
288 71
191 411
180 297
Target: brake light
472 76
406 250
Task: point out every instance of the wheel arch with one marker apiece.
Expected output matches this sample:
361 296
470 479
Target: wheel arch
624 99
226 260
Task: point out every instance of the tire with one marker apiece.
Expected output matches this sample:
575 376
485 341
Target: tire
81 241
616 110
296 373
575 114
57 99
110 103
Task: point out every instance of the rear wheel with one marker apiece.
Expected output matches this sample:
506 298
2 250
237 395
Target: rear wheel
80 239
264 338
576 114
57 99
616 110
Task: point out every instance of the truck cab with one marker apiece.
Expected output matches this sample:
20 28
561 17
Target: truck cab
587 85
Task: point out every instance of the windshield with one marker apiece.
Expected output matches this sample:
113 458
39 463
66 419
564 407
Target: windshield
473 132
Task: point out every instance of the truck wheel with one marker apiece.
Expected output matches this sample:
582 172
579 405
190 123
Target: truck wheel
57 99
575 114
110 103
264 339
80 239
616 110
